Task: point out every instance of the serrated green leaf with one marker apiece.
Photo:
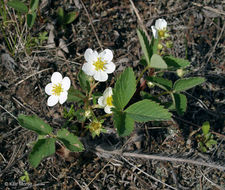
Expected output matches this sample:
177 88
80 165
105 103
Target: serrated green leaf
123 123
147 110
161 82
146 95
157 62
70 17
187 83
42 149
145 45
30 19
18 6
205 128
176 63
124 89
154 46
83 80
180 103
75 95
35 124
70 140
34 5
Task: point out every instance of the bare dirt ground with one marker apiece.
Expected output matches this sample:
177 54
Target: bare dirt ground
197 30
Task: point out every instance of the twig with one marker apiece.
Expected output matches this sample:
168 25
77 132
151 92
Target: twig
89 18
162 158
8 112
32 76
140 20
217 186
209 8
147 174
214 47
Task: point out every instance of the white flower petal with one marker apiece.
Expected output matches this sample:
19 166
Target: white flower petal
110 67
88 68
52 100
108 92
48 89
160 24
107 109
155 32
106 55
100 76
66 83
90 55
63 97
101 101
56 77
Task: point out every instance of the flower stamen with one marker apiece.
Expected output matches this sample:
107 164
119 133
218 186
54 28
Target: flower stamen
57 89
109 101
99 64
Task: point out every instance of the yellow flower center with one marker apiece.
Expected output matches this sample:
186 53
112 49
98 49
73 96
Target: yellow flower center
99 64
96 127
57 89
109 101
162 33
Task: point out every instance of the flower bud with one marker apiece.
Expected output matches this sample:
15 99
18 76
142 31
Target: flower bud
180 72
87 113
159 46
169 44
150 84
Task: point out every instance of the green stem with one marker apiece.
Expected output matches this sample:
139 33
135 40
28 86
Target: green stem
142 73
104 116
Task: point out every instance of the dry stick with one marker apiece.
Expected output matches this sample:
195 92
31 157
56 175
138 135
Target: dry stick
89 18
162 158
209 8
147 174
31 76
214 47
140 20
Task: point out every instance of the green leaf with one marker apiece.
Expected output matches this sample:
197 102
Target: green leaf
187 83
210 143
146 95
34 5
205 128
35 124
75 95
154 46
176 63
147 110
30 19
124 89
158 62
60 13
123 123
161 82
70 17
83 80
145 45
42 149
70 140
18 6
180 103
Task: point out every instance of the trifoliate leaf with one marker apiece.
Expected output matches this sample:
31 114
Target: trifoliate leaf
35 124
180 103
70 140
187 83
147 110
42 148
124 89
157 62
123 123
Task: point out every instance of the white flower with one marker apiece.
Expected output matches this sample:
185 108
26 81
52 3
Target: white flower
57 89
98 65
106 100
159 29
